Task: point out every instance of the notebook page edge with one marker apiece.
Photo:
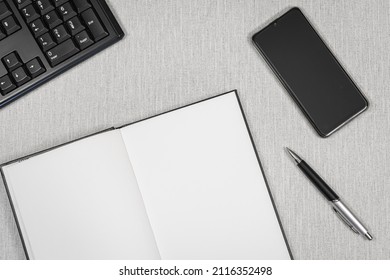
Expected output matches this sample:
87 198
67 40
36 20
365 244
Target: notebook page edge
53 148
19 225
146 210
265 178
179 108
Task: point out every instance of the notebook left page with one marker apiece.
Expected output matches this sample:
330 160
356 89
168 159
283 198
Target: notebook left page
81 201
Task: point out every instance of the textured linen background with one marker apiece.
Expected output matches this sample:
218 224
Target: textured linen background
179 51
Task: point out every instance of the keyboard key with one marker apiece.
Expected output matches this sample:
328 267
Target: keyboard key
6 85
35 68
52 19
74 26
22 3
4 11
58 3
44 6
66 11
12 61
38 28
20 77
61 52
10 26
60 34
94 25
29 13
46 42
83 40
81 5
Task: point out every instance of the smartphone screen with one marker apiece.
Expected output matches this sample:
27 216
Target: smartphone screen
310 72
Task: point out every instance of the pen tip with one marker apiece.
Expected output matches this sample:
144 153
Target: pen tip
368 236
296 158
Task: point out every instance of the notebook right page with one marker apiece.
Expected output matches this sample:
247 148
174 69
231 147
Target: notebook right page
202 184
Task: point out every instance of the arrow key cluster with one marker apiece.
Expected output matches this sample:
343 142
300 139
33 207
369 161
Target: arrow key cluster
19 72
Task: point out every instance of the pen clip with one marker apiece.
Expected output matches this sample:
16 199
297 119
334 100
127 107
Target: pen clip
345 221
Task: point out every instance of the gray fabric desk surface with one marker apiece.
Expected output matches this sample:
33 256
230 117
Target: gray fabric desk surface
179 51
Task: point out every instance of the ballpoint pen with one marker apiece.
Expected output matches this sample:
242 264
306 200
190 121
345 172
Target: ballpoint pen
341 210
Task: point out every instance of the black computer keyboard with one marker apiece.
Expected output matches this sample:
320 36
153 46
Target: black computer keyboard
39 39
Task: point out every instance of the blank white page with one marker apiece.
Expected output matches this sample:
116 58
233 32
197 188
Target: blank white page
81 201
202 185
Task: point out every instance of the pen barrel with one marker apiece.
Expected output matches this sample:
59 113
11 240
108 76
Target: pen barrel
318 182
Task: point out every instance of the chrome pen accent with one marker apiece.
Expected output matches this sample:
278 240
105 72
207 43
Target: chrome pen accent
352 221
345 220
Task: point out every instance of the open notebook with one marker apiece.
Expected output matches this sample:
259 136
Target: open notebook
186 184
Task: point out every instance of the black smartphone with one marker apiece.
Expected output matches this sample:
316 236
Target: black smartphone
310 72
